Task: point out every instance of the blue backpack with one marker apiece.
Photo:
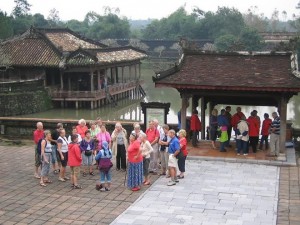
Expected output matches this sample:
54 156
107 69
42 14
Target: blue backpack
39 146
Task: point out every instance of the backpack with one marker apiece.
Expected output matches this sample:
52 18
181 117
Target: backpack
39 146
105 164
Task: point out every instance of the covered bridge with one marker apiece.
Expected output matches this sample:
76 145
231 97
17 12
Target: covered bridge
237 78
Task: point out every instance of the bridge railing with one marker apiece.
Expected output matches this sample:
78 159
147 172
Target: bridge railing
112 89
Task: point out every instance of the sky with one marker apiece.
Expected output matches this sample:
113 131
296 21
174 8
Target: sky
144 9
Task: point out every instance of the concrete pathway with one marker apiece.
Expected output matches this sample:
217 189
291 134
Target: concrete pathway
212 193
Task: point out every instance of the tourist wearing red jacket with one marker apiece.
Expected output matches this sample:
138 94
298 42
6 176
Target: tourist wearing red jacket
74 160
195 127
265 130
37 135
81 128
236 118
254 125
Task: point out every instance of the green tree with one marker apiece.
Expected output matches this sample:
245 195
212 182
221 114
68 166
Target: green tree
250 40
179 23
255 20
107 26
38 20
6 26
225 21
21 9
226 42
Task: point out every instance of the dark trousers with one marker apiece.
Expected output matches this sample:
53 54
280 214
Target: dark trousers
194 138
264 138
242 146
229 129
253 141
121 157
181 164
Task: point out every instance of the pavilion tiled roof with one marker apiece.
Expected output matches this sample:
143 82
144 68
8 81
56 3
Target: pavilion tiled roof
104 56
121 54
29 50
67 40
61 48
232 71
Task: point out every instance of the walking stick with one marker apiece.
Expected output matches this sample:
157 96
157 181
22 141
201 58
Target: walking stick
125 173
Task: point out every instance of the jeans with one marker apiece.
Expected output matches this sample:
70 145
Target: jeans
264 138
242 146
223 145
54 156
104 175
46 166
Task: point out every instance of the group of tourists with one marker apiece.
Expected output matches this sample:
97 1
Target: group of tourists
247 131
158 150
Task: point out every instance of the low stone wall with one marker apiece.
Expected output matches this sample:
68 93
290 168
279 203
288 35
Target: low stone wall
15 128
23 97
21 103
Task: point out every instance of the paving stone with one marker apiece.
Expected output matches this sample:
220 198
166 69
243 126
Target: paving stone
218 193
24 201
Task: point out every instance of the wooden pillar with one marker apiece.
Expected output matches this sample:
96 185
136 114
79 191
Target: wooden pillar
69 83
195 103
76 104
130 72
122 74
203 127
117 75
98 80
184 105
135 72
283 115
92 81
140 73
92 104
61 80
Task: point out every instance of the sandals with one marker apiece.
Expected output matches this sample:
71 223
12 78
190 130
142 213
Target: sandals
48 181
92 173
98 187
77 186
55 171
147 183
84 174
37 176
43 184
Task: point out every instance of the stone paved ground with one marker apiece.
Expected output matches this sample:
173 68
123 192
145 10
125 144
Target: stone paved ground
289 196
212 193
23 201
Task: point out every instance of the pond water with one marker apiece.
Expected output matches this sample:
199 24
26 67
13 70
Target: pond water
130 110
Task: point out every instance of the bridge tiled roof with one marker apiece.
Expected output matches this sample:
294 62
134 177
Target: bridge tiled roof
232 71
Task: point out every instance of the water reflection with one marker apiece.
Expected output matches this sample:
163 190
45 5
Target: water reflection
130 109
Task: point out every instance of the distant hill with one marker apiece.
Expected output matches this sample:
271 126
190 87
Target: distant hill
139 24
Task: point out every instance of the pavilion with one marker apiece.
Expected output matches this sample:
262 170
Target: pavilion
76 71
234 78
